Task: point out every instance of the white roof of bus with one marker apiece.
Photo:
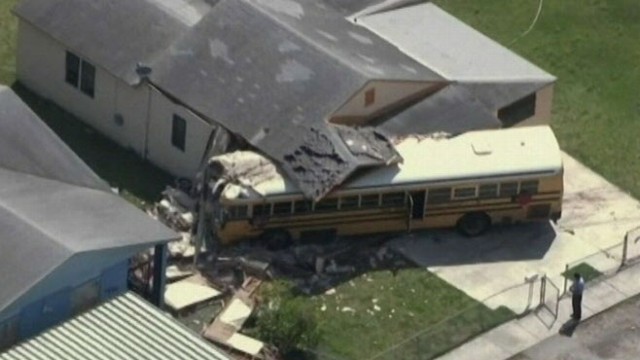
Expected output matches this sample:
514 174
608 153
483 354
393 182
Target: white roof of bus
470 155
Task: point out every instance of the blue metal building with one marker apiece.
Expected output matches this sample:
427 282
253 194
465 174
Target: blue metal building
65 237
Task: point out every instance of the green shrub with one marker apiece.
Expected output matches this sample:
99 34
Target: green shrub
283 320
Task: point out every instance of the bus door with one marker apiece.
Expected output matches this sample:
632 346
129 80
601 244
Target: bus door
416 207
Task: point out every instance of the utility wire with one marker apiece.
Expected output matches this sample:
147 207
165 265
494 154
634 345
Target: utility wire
533 24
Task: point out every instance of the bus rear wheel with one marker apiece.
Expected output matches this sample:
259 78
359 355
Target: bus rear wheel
474 224
277 239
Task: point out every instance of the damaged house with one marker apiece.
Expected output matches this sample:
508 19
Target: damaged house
319 87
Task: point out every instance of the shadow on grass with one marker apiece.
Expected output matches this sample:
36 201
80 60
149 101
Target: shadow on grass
137 180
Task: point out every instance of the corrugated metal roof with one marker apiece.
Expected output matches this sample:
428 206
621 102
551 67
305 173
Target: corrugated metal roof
126 327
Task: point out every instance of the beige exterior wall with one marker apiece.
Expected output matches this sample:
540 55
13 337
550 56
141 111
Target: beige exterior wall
160 150
386 94
544 101
41 67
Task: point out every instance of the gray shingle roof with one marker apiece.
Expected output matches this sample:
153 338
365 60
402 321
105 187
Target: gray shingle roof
52 206
270 71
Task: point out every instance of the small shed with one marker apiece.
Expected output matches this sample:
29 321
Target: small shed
66 237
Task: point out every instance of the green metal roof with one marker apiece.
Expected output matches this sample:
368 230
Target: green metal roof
125 327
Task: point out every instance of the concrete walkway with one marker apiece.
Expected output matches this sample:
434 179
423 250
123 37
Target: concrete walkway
518 335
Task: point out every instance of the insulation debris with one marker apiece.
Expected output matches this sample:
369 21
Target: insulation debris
183 294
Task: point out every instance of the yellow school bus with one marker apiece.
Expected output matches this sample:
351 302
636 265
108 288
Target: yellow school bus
470 182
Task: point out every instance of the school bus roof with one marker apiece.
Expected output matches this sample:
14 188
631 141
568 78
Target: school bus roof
472 155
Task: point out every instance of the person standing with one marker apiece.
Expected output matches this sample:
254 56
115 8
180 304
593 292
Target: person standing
576 296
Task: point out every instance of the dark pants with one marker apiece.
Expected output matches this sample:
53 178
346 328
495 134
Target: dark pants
576 301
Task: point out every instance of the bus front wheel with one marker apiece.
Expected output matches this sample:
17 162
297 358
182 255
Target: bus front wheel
474 224
277 239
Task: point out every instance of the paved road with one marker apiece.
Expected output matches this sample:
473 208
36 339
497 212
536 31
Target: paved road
613 334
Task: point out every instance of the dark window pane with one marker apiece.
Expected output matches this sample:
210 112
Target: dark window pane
508 189
438 196
238 212
327 205
179 132
488 191
88 78
72 73
518 111
529 187
349 203
370 201
393 199
302 206
464 193
282 208
262 210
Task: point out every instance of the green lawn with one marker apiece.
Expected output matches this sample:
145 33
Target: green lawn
375 311
592 47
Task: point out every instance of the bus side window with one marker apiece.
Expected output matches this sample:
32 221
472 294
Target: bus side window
370 201
349 202
530 187
282 208
393 199
302 207
327 205
261 210
438 195
465 193
488 191
508 189
238 212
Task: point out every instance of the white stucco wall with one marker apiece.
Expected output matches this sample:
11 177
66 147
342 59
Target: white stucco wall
160 150
387 93
41 68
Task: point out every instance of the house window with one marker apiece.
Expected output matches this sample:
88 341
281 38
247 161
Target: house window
518 111
80 74
179 132
369 97
85 297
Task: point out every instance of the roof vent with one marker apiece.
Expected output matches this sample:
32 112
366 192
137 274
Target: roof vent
481 148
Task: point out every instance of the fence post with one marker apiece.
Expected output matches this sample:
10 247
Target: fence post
566 273
625 244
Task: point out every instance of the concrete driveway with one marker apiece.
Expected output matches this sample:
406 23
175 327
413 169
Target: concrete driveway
493 268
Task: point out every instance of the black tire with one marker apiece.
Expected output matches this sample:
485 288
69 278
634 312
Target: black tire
277 239
474 224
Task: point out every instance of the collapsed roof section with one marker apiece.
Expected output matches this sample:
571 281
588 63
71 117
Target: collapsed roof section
281 74
274 72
